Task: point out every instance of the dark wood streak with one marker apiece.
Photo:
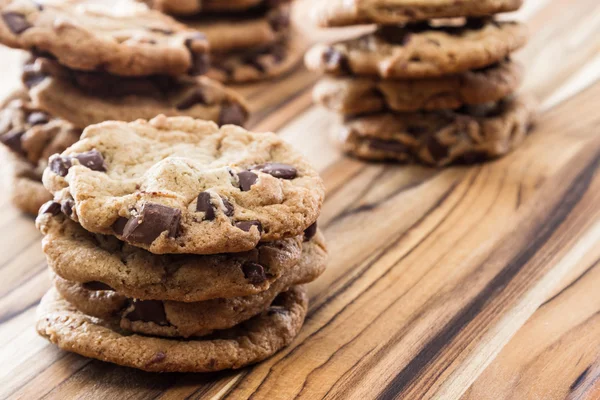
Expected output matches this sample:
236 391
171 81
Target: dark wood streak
579 379
542 234
570 285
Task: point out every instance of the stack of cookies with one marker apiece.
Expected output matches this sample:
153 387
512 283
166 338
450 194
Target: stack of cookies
432 83
89 63
250 40
176 245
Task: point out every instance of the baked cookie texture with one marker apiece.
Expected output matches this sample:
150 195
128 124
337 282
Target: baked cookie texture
420 51
332 13
361 95
29 136
439 138
247 343
61 92
126 40
179 185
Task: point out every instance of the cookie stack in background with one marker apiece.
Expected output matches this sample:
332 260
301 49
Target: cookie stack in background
250 40
433 82
177 245
91 63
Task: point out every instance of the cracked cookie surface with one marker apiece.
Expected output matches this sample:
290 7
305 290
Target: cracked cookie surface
179 185
468 135
61 92
420 50
247 343
128 39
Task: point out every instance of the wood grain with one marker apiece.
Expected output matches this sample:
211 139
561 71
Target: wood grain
472 283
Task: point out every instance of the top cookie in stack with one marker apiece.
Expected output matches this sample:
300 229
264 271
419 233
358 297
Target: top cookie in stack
432 83
90 63
250 40
180 243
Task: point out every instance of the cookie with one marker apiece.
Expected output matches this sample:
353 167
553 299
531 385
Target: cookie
129 40
238 32
439 138
193 7
352 96
80 256
179 185
61 92
178 319
29 136
420 50
248 343
258 63
331 13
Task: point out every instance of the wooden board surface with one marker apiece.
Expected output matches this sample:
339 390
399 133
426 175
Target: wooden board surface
473 283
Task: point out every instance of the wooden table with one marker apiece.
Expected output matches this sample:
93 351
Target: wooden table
474 283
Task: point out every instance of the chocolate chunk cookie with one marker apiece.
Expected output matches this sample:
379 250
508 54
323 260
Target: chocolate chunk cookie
179 185
390 12
61 92
29 136
80 256
248 343
421 50
260 63
178 319
351 96
468 135
127 40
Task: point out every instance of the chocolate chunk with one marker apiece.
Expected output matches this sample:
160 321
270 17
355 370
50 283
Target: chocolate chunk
95 286
12 140
247 225
119 225
229 210
232 113
200 59
38 118
195 97
32 76
148 311
437 150
310 232
254 273
60 165
247 179
278 170
153 220
16 22
67 207
392 146
158 357
205 205
50 207
93 160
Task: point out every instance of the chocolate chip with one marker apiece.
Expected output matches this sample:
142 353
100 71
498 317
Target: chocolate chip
392 146
200 60
310 232
148 311
254 273
50 207
278 170
12 140
229 210
60 165
195 97
95 285
437 150
247 179
119 225
158 357
16 22
247 225
205 205
232 113
93 160
153 220
32 77
38 118
67 207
